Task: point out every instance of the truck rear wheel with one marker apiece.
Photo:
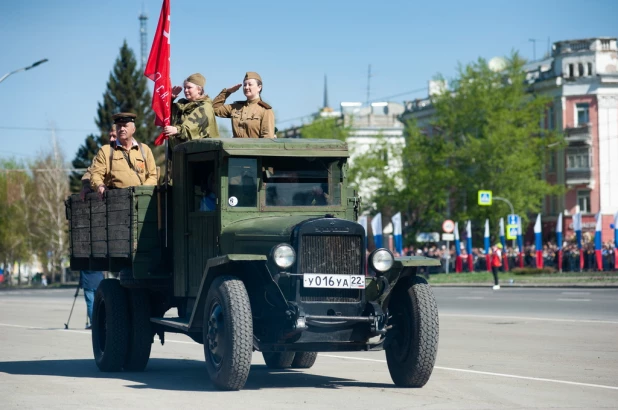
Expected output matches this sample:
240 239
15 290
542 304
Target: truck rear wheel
412 344
110 326
304 360
278 360
140 340
228 333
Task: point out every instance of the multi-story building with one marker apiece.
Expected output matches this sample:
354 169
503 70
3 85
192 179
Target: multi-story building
367 124
581 77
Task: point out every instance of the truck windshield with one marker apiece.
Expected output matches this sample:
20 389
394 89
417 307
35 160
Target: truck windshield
301 181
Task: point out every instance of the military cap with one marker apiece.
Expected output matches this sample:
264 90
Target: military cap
254 75
124 117
197 79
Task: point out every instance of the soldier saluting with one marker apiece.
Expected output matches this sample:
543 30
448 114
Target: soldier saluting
252 118
127 163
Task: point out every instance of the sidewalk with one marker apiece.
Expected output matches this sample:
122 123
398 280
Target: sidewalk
510 279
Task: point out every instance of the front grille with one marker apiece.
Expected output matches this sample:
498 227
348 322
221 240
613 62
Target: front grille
332 254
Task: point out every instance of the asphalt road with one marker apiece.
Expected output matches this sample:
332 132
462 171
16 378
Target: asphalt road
513 348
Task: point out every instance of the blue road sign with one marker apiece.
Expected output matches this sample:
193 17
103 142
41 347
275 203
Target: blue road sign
513 219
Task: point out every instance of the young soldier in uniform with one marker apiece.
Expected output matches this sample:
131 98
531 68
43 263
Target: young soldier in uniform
128 163
252 118
192 117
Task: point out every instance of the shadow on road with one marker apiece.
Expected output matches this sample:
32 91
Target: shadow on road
181 375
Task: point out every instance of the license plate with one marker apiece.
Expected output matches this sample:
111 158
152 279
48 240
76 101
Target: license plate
321 280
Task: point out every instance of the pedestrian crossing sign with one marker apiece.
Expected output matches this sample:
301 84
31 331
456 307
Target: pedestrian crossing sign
485 198
511 232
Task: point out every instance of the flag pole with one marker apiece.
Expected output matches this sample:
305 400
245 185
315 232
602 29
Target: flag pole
166 187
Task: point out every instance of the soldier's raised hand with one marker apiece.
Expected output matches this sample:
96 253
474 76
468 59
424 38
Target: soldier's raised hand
233 89
176 90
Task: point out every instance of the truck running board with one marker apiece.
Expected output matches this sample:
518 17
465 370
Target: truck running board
180 323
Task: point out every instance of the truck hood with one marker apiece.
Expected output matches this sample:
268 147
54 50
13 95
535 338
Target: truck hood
259 235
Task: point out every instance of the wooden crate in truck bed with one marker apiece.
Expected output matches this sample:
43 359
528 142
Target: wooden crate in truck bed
119 232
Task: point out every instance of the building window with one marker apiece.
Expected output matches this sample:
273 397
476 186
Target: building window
553 205
580 69
578 158
589 68
583 113
552 162
583 200
571 71
550 118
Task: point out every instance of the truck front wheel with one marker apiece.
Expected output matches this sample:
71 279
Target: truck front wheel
228 333
110 326
412 344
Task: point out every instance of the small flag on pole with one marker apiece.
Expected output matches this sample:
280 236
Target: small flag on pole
396 220
598 245
458 261
538 242
376 227
577 226
559 240
469 246
486 244
520 243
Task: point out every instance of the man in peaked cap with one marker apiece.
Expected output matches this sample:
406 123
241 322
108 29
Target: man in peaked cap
252 118
127 163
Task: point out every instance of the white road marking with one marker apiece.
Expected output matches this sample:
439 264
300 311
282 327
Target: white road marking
529 318
512 376
573 300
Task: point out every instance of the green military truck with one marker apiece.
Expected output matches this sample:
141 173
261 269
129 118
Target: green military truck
256 246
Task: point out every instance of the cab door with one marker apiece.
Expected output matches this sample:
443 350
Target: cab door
203 211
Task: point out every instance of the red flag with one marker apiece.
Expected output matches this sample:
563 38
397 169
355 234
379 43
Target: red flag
158 70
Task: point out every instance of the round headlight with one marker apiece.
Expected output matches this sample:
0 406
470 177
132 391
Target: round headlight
381 260
284 255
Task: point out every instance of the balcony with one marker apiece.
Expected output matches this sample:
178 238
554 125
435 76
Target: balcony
579 176
578 135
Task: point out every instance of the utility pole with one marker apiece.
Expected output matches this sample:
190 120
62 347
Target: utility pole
533 40
143 20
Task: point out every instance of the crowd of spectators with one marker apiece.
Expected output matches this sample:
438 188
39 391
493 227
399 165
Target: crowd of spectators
570 256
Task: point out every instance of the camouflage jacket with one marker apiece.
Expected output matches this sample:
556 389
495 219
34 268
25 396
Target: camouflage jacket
194 120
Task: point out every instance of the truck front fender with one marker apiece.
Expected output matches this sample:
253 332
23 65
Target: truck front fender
246 268
380 288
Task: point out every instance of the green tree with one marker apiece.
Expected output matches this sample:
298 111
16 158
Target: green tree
486 134
126 91
325 128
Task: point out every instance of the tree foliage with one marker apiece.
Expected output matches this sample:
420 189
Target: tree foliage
486 135
126 91
325 128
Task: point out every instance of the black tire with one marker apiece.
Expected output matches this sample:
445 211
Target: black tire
412 345
278 360
304 360
228 333
140 333
110 326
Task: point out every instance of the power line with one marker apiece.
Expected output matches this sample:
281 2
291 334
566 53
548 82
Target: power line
46 129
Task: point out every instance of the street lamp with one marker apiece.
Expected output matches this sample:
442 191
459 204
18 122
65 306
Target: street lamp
23 69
